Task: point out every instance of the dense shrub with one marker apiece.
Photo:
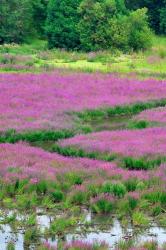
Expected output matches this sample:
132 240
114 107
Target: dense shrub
108 24
102 204
140 36
62 19
39 12
117 189
163 20
95 23
156 12
57 196
15 20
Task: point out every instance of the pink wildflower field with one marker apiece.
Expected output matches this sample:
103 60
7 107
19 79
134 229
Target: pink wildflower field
135 143
25 162
157 115
119 174
43 101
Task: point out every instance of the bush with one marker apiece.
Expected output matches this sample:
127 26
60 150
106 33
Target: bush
156 11
95 23
133 200
57 196
15 20
140 36
62 18
108 24
117 189
131 184
102 204
139 219
163 20
78 196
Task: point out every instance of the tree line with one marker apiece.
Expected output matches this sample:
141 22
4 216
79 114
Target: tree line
83 24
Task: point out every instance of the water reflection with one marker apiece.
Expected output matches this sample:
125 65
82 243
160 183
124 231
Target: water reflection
102 228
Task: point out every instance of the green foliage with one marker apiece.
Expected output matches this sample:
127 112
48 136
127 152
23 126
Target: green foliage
74 178
156 12
39 11
95 23
156 197
162 220
78 197
9 219
139 219
76 152
131 184
11 246
26 201
31 235
15 20
61 22
151 245
132 109
125 244
138 124
117 189
57 196
140 36
60 225
140 186
31 221
163 20
102 205
12 136
137 164
156 210
132 202
42 187
108 24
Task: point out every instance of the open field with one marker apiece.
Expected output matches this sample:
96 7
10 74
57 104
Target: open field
82 149
34 57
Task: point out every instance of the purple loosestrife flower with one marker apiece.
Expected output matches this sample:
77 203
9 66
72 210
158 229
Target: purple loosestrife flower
106 197
135 195
81 245
134 143
22 161
41 101
153 115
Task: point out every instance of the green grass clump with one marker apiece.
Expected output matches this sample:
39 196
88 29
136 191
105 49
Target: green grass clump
31 235
132 202
61 225
156 197
78 197
125 245
138 124
137 164
139 219
131 184
76 152
11 136
102 205
10 246
117 189
156 210
151 245
31 220
57 196
131 109
126 162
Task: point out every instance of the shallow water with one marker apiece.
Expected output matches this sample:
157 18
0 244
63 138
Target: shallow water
108 229
111 123
100 228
